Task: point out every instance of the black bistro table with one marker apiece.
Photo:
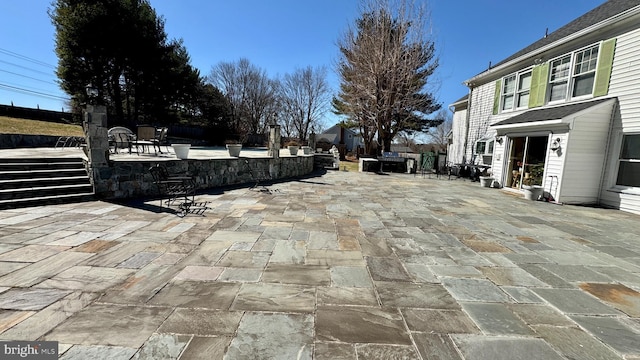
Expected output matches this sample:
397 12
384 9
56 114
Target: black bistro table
472 171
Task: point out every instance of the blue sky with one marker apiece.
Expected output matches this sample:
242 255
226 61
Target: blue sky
282 35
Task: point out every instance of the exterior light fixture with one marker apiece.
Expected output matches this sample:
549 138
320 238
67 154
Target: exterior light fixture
92 91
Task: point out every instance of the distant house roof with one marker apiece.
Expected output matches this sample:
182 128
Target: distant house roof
605 11
327 137
551 113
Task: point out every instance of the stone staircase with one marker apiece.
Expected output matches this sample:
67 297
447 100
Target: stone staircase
43 181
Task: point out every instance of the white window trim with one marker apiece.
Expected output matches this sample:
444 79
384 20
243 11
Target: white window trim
519 93
488 143
516 92
613 177
571 76
566 79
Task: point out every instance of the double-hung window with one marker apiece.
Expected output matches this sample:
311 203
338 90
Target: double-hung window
524 86
629 162
573 75
559 78
584 71
515 90
508 88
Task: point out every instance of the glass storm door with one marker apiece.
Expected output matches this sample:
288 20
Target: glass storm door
527 156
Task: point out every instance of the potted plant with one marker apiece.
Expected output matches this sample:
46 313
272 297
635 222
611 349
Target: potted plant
532 182
486 180
306 150
293 147
234 147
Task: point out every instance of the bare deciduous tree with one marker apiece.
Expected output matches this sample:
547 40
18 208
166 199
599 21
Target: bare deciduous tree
439 134
250 92
305 96
385 63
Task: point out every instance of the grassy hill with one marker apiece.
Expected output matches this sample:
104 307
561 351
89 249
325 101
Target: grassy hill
10 125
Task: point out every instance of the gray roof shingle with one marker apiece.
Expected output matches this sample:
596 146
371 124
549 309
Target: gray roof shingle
552 113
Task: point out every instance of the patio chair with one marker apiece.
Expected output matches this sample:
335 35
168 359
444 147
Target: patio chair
121 141
146 137
120 138
161 138
173 188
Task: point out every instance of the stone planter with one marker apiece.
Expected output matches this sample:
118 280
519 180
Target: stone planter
486 181
234 149
181 150
293 149
306 150
532 192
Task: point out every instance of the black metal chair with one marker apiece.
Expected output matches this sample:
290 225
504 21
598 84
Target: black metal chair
173 188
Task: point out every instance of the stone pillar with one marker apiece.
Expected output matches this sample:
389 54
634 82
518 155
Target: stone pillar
95 133
97 143
274 141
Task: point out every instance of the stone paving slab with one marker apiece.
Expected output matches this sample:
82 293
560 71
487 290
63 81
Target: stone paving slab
124 326
275 297
574 343
82 352
197 294
428 296
619 296
340 266
162 346
360 325
30 298
496 319
280 336
201 322
474 290
505 348
613 332
575 302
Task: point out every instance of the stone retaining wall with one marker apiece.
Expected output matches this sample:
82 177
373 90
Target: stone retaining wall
131 179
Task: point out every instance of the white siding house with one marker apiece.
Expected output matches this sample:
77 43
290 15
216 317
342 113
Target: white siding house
456 149
564 112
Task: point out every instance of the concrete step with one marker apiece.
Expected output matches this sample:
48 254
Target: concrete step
42 174
46 200
44 191
31 182
34 182
39 165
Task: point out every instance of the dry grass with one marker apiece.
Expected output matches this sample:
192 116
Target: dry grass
34 127
349 165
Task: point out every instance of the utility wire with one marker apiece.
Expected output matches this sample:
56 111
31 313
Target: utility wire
26 68
31 92
23 57
29 87
28 77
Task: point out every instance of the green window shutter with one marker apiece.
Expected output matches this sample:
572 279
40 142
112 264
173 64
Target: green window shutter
605 62
538 91
496 97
